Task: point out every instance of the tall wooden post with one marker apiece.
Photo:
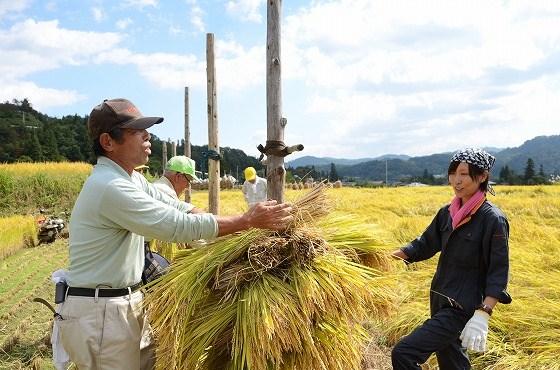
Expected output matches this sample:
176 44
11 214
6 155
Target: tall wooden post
275 124
163 154
173 147
213 164
187 140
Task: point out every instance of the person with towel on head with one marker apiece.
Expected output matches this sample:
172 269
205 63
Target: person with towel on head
471 234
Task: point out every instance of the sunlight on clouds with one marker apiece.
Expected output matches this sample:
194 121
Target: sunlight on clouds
236 68
243 70
355 108
98 14
41 97
491 39
123 24
140 3
51 6
23 53
535 102
388 76
437 68
56 47
246 10
196 16
13 6
164 70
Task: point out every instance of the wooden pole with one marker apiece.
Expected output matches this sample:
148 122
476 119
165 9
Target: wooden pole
276 172
164 154
173 148
188 191
213 164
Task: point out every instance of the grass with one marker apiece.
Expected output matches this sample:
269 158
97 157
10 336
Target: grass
523 335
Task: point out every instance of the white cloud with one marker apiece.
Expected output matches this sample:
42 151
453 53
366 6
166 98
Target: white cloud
42 98
140 3
534 102
401 73
122 24
246 10
369 77
196 16
236 67
98 14
24 52
165 70
359 46
174 30
30 46
51 6
13 6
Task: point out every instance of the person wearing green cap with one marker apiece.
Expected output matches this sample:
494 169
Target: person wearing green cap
179 172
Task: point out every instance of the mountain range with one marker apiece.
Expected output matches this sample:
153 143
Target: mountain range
326 161
544 150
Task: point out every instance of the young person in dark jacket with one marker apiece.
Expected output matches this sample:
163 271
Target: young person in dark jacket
472 272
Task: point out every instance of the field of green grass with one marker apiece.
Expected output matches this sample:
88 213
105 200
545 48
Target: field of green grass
523 335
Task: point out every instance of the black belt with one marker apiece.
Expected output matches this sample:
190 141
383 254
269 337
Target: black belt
102 292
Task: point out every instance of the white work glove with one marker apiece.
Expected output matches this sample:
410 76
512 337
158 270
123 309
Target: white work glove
473 336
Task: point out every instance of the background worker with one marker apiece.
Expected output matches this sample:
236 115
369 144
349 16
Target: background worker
143 169
179 172
254 187
103 323
472 272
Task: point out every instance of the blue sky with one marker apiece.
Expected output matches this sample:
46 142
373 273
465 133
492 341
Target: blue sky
360 78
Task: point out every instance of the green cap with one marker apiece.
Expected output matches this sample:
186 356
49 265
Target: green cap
182 164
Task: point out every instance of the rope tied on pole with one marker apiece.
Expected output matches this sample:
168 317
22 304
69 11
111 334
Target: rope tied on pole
277 148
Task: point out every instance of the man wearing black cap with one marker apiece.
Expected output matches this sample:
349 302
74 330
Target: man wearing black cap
103 325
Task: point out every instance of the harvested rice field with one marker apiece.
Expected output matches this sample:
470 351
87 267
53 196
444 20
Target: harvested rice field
523 335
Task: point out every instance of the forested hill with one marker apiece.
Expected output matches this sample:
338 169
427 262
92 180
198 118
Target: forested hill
543 150
28 135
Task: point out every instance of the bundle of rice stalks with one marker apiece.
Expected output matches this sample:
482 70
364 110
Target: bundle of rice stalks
264 300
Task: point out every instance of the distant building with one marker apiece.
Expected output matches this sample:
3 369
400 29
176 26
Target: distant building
416 184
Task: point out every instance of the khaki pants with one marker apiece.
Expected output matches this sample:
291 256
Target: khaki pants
106 333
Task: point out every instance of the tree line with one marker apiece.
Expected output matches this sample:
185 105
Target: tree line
528 177
506 176
31 136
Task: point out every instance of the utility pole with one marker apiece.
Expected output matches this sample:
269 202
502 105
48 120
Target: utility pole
187 148
213 163
164 154
386 177
275 124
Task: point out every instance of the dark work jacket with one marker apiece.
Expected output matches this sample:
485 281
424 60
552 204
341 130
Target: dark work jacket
474 260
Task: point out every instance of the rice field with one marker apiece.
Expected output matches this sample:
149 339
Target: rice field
523 335
17 232
27 187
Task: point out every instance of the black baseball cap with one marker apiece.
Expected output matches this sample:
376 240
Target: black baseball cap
121 113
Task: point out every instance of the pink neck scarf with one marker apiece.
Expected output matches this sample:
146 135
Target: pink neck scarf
459 213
